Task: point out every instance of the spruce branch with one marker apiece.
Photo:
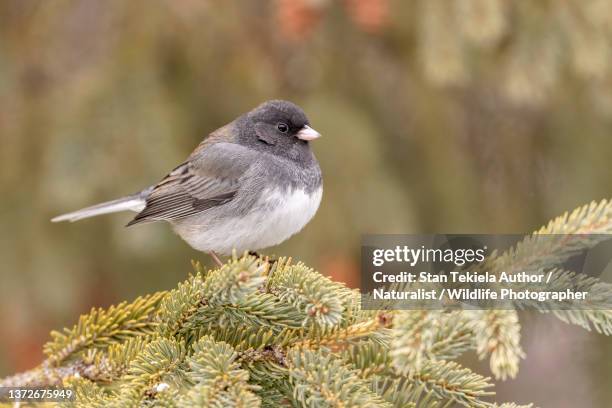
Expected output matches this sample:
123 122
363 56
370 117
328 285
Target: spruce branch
257 344
45 375
319 298
179 305
371 359
247 334
110 364
257 310
88 393
449 381
559 240
421 335
253 334
595 312
251 337
234 281
159 362
219 380
338 338
401 393
321 380
601 320
497 333
100 328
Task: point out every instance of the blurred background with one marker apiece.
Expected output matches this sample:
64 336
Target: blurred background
467 116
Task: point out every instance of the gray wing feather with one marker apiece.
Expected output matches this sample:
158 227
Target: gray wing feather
208 179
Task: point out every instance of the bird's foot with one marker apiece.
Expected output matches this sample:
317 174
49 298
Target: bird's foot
271 261
216 258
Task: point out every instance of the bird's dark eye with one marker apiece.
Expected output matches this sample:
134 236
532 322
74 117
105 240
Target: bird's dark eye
282 127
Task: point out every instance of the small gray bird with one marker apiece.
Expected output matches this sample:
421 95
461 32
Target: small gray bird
249 185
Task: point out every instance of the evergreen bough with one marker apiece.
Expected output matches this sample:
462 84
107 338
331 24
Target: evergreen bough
259 334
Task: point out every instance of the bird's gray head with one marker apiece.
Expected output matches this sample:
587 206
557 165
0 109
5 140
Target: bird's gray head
278 127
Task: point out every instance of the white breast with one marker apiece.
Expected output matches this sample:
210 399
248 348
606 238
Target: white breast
276 217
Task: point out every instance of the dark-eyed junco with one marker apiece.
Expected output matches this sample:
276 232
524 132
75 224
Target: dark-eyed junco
249 185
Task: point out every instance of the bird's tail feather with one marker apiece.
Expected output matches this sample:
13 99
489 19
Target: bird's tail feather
135 202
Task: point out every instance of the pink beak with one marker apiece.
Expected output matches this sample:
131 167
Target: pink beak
307 133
